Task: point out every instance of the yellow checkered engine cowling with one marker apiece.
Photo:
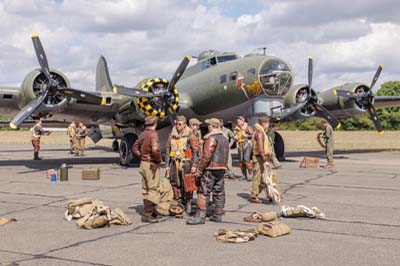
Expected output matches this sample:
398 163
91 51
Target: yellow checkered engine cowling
156 106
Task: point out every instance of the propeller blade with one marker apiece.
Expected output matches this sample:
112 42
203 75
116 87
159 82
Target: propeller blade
310 71
378 72
179 71
327 115
41 56
27 111
375 118
85 96
132 92
290 110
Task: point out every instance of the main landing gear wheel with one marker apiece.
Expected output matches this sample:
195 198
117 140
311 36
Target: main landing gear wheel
125 150
279 147
115 146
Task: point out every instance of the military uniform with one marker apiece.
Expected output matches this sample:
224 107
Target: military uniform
196 133
231 138
262 150
243 135
329 143
36 132
275 162
73 137
82 133
211 169
147 148
182 153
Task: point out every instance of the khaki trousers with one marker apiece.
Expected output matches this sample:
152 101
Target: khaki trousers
258 169
329 152
150 182
81 146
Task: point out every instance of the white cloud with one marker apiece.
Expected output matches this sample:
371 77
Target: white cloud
149 38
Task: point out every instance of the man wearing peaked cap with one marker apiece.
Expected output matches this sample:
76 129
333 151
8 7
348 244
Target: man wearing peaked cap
194 125
194 121
243 134
211 170
147 147
181 158
213 122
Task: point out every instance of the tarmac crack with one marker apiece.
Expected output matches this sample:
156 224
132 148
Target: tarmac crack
42 256
347 234
308 181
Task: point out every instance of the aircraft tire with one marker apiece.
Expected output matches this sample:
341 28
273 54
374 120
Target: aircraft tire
115 146
279 147
125 149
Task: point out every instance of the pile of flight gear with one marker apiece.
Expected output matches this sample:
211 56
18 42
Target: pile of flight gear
301 211
258 217
4 221
236 235
272 229
309 162
272 186
93 213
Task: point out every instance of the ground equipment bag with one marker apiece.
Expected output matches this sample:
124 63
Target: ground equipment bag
309 162
273 229
258 217
236 235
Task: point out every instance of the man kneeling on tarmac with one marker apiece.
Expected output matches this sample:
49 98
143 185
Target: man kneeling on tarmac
210 172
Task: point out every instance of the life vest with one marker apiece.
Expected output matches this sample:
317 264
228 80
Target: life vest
180 150
36 132
267 143
240 132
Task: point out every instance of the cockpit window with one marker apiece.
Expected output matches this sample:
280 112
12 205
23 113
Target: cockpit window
225 58
208 63
275 77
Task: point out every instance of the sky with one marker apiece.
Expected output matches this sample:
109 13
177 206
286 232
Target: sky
140 39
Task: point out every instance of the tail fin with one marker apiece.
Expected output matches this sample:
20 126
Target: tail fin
103 81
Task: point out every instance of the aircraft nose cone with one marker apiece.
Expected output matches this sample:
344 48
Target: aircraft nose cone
276 77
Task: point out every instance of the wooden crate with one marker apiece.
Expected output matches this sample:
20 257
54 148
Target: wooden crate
91 174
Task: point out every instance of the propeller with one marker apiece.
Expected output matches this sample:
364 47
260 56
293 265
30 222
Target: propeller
164 94
366 99
51 87
313 99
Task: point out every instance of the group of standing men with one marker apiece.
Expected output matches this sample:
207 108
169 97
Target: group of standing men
77 137
188 156
206 159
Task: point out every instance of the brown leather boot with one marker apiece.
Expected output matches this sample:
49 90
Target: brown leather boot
147 216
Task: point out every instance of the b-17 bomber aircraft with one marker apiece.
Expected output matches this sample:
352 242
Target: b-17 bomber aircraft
221 85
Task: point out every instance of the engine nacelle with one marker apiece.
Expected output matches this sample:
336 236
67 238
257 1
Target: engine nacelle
299 94
33 86
157 106
346 106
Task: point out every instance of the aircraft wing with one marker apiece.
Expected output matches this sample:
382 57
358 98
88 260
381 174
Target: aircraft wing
387 101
